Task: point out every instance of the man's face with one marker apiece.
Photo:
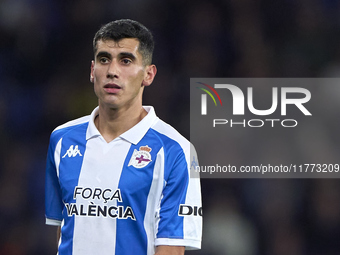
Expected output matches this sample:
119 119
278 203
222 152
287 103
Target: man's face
118 73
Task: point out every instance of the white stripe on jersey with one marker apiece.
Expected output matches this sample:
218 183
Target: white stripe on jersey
98 159
57 156
153 202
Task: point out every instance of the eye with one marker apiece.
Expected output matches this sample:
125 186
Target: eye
104 60
126 61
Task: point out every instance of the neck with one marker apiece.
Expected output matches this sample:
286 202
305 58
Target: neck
111 123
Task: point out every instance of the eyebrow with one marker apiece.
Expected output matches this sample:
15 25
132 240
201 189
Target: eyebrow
103 54
127 55
120 55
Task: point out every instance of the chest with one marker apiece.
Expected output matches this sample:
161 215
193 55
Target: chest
101 173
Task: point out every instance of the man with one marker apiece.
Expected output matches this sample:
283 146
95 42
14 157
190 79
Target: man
117 181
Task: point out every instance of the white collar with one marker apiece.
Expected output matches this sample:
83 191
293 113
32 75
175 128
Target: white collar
134 134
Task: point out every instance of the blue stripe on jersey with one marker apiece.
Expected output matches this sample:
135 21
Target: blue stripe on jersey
69 179
135 185
54 202
176 177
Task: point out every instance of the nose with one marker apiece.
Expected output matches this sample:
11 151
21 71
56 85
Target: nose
113 70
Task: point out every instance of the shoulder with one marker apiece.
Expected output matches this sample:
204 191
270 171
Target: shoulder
170 135
178 146
67 127
73 123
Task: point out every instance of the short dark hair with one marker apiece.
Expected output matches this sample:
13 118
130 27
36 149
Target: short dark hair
126 28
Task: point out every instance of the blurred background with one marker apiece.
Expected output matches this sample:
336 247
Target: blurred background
45 55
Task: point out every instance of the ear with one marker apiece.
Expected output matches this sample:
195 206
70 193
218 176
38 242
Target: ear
91 73
150 73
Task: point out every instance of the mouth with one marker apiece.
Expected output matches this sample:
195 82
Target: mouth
112 88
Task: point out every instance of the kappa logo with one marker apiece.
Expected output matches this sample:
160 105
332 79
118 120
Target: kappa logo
141 158
194 163
72 151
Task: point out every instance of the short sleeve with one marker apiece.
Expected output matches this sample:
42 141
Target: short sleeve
53 199
180 215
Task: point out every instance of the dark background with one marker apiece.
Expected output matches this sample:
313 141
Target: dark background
45 54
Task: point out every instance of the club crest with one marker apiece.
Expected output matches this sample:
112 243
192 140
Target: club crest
141 158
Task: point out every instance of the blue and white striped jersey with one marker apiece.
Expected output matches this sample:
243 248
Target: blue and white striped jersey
123 197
